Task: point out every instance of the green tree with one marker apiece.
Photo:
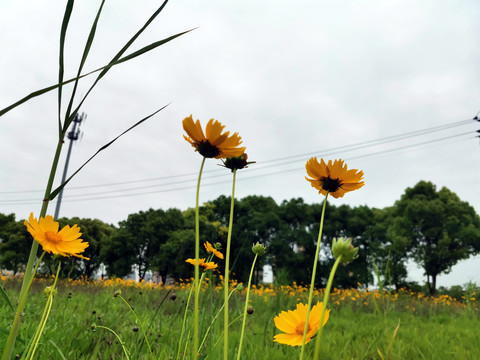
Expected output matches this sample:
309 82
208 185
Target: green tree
15 243
438 227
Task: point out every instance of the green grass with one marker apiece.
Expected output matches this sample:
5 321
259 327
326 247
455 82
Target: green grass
434 330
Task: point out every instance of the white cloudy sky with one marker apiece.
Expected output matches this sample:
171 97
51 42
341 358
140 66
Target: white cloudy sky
295 79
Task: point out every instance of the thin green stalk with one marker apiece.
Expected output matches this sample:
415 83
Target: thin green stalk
125 350
140 324
213 321
227 271
185 316
246 307
312 284
45 315
324 307
7 353
197 270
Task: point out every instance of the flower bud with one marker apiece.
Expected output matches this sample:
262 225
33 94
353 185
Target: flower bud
237 163
117 293
259 249
250 310
50 291
343 247
240 287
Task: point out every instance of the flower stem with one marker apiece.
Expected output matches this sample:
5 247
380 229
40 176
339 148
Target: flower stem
140 324
227 271
29 274
45 315
324 307
245 310
197 270
314 271
125 350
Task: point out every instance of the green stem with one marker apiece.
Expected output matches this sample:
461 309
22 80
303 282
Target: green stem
140 324
29 274
213 321
220 337
45 315
125 350
324 306
227 271
197 271
314 271
245 310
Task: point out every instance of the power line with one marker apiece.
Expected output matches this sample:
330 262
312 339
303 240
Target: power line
84 197
326 152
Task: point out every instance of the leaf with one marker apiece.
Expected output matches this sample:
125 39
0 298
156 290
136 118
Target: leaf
58 349
7 299
54 193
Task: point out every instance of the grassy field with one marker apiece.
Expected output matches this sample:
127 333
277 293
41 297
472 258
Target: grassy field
362 325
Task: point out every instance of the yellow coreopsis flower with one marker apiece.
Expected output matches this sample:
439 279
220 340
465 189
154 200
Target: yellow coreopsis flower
203 264
65 242
292 323
333 177
212 144
212 250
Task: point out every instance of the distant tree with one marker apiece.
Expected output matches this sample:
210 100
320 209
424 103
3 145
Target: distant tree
438 227
15 243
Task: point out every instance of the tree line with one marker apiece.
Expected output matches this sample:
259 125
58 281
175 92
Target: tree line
434 228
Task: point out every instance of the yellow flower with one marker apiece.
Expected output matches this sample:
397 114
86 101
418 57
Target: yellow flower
65 242
334 178
212 250
292 323
203 264
215 144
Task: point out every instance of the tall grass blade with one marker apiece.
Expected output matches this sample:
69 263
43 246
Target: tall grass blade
63 31
58 349
7 299
119 61
70 118
54 193
86 51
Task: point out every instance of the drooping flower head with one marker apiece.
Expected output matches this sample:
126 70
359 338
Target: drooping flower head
209 247
214 144
333 177
65 242
292 323
203 264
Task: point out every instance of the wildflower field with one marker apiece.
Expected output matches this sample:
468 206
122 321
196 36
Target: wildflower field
363 324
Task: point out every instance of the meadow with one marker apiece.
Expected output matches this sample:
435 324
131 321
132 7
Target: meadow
363 324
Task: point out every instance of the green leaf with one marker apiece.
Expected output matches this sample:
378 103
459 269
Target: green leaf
119 61
54 193
58 349
7 299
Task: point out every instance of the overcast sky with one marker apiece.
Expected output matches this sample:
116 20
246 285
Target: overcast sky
295 79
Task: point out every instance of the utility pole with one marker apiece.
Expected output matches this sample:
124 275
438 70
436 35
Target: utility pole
72 135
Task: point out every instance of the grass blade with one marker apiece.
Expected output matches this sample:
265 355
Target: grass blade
61 58
58 349
119 61
7 299
54 193
86 51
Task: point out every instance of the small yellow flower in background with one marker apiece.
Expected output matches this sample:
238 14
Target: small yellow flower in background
292 323
214 144
65 242
333 177
212 250
203 264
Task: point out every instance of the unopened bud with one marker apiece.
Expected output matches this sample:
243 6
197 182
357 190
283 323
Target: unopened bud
240 287
50 291
237 162
259 249
117 293
344 248
250 310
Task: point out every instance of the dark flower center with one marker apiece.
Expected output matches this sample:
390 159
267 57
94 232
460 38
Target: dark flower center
330 185
207 150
